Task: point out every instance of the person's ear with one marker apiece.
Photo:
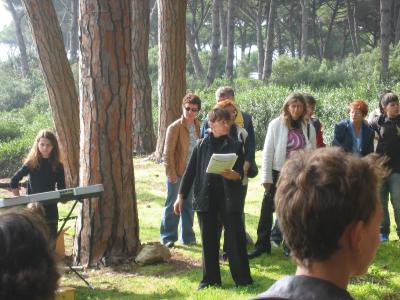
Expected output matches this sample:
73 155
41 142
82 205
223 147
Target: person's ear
355 236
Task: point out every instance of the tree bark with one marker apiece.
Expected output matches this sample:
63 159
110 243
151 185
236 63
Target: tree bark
397 28
352 27
223 24
107 227
59 82
305 13
325 44
269 48
17 17
144 139
230 35
171 66
385 13
194 55
215 43
74 39
260 39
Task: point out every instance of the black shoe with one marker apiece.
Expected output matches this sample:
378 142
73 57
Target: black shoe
224 256
170 244
257 252
203 285
286 250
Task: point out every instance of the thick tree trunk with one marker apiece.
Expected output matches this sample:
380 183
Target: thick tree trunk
305 13
215 43
352 27
171 66
397 28
230 35
194 55
269 47
385 6
260 41
17 17
223 24
74 39
59 82
107 227
292 30
326 43
144 140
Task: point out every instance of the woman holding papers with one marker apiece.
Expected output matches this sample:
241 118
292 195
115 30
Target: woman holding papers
217 198
285 135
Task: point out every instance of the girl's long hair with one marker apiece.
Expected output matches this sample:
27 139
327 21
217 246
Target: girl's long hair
286 117
32 160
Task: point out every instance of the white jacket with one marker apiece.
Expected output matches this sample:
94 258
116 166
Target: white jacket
274 151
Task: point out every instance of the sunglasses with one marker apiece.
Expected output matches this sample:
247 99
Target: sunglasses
195 110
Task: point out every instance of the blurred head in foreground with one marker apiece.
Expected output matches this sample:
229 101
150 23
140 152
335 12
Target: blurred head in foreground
27 265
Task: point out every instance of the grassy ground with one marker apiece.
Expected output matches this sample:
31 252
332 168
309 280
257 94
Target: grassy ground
179 278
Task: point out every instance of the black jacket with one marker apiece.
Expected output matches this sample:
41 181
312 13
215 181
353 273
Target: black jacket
304 288
195 174
388 131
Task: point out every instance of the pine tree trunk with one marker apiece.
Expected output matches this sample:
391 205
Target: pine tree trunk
144 140
107 227
171 66
397 28
385 6
26 72
260 41
194 55
59 82
352 27
74 39
269 48
305 13
215 43
223 24
230 35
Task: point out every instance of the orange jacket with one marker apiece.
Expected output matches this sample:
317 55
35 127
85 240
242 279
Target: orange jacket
176 147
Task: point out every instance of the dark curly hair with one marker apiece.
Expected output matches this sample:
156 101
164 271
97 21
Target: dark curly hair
28 268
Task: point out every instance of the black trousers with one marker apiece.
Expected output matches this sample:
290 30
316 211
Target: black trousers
51 215
209 222
266 217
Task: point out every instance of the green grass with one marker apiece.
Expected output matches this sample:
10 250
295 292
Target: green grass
179 278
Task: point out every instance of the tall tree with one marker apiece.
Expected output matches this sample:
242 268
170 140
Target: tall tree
74 39
255 14
230 35
305 14
269 47
215 43
351 6
223 23
17 15
59 82
107 227
171 65
144 139
397 28
385 6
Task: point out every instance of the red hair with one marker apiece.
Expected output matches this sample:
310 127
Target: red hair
360 105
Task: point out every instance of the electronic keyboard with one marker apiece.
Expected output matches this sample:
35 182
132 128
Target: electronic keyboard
77 193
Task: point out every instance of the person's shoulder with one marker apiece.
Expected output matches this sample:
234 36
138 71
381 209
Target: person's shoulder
175 124
343 123
304 287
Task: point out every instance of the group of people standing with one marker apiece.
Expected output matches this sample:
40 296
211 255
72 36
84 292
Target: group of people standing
219 199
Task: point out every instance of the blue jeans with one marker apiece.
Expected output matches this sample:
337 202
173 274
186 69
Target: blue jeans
391 185
170 221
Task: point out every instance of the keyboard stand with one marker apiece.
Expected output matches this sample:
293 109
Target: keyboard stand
58 234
